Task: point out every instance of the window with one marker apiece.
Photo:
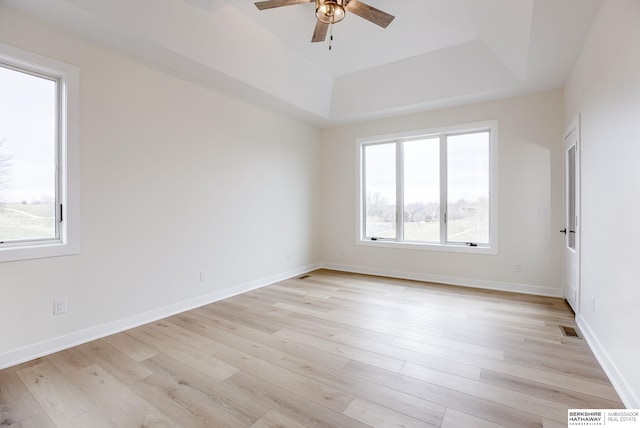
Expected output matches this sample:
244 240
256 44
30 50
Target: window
432 189
38 156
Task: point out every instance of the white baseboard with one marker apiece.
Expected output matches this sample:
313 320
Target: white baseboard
622 387
11 358
451 280
60 343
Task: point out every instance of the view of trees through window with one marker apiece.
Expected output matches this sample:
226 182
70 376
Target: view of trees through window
28 141
441 182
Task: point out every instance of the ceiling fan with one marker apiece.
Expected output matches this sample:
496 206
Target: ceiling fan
333 11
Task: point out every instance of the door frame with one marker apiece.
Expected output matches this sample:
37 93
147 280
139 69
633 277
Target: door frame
573 126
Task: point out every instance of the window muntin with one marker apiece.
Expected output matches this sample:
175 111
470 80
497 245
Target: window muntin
445 189
29 191
58 233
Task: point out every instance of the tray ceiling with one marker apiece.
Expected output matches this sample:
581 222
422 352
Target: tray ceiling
435 53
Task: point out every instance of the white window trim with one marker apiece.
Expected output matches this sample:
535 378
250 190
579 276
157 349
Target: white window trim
492 248
69 156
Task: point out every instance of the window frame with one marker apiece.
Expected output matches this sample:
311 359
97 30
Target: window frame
67 241
441 132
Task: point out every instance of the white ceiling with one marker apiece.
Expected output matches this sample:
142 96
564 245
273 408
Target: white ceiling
435 53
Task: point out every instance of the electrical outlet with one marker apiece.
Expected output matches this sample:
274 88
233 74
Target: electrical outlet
203 276
517 268
59 306
543 212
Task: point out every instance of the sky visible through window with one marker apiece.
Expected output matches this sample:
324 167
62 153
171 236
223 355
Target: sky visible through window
468 156
27 138
442 169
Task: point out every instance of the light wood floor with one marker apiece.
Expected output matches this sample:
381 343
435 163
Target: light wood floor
333 349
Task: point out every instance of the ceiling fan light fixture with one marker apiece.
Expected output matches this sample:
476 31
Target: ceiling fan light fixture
330 11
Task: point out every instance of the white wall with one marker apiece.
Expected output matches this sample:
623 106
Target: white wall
175 179
175 182
605 90
530 177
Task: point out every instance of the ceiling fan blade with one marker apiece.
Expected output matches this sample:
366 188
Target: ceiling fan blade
270 4
370 13
320 32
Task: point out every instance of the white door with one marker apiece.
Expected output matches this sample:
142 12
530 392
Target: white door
571 229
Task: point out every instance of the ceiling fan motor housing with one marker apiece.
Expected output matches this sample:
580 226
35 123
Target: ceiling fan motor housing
330 11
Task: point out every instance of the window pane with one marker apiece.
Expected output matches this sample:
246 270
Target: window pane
380 190
468 188
27 156
422 190
572 198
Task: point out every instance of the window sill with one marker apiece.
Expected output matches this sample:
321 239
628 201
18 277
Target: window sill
39 251
453 248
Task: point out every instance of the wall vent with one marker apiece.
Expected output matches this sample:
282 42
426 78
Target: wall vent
569 331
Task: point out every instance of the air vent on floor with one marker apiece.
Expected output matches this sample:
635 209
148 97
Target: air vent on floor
305 277
569 331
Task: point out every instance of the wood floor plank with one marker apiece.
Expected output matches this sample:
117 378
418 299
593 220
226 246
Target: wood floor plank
475 405
332 349
63 403
117 363
353 353
69 360
180 402
310 389
381 417
328 327
124 407
552 378
16 402
548 423
209 365
319 372
558 364
274 419
569 398
510 398
517 345
307 323
290 404
248 320
407 355
39 420
456 419
133 348
226 339
408 404
218 399
207 328
183 336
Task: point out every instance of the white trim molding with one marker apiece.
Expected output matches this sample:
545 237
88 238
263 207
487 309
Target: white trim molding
537 290
61 343
68 192
622 387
